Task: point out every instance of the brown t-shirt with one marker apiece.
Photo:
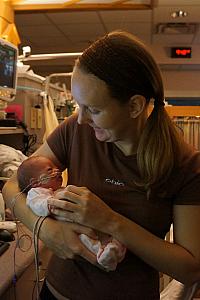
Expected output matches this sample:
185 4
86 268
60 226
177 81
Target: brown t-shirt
108 173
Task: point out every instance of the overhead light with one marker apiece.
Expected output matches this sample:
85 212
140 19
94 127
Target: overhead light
48 56
179 14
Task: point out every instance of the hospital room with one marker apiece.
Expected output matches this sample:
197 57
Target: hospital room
99 149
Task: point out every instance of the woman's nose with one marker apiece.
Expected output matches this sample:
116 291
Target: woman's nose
83 116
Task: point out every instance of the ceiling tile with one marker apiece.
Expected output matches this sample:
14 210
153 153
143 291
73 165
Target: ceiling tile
81 45
45 41
122 16
73 17
82 30
82 39
30 19
141 30
39 31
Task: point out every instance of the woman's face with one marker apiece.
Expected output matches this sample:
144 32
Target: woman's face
110 120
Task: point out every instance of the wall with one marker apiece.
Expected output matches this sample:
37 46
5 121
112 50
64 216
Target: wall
182 83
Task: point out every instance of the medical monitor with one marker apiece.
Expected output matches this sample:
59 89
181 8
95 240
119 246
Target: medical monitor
8 70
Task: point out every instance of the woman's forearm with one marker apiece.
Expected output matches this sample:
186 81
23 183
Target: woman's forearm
166 257
17 203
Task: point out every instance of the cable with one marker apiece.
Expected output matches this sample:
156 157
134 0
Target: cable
14 199
20 235
18 246
35 239
29 140
36 230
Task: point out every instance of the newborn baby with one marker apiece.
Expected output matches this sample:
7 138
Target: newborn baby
41 179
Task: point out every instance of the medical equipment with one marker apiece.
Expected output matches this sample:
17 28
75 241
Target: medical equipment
44 177
8 70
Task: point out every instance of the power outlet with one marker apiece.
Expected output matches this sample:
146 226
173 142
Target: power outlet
39 118
33 117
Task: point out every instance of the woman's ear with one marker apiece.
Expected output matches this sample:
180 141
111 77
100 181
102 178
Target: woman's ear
137 104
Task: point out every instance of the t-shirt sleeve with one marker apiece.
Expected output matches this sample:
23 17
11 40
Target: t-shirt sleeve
189 193
60 140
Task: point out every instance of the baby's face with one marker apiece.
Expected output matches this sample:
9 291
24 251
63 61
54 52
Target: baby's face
49 175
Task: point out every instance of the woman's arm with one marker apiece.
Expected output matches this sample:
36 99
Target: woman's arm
180 260
61 237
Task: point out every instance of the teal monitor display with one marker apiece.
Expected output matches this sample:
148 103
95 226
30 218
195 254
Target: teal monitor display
8 70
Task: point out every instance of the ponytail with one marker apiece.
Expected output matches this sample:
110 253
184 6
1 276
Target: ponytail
159 147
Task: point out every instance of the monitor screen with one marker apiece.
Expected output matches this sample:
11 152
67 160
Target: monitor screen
8 66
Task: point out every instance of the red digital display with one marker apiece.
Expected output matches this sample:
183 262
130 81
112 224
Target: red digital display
181 52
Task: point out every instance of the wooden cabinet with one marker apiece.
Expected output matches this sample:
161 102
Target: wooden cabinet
181 111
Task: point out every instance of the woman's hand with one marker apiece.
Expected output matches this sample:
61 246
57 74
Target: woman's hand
62 238
83 207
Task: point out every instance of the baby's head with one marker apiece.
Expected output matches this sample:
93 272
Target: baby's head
38 171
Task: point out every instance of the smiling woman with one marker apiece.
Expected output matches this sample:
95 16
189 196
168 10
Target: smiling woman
99 109
130 176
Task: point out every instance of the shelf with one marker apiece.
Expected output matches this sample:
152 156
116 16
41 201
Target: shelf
12 130
181 111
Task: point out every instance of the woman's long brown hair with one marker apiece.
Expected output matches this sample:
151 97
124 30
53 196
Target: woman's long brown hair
128 68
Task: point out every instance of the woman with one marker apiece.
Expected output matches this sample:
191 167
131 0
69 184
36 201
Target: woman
130 176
